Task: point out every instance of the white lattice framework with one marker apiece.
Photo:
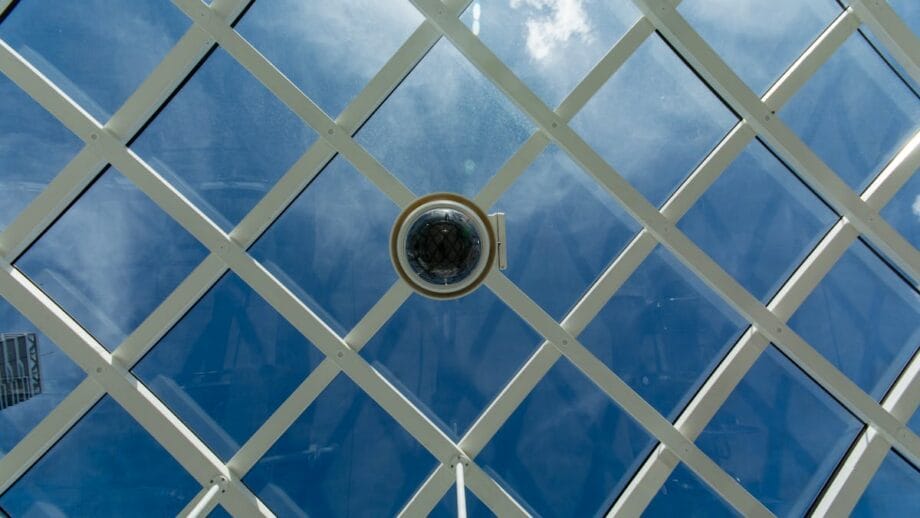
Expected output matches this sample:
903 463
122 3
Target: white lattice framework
109 373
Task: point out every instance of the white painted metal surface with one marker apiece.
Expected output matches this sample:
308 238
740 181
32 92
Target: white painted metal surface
110 373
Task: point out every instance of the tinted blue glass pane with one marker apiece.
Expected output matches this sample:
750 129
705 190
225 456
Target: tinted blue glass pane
568 450
779 435
855 130
563 228
903 211
446 128
863 318
224 140
663 332
106 465
909 11
686 495
57 373
111 258
227 365
447 507
331 246
764 37
551 46
914 423
654 120
34 147
219 512
453 356
344 456
758 221
329 49
97 51
893 491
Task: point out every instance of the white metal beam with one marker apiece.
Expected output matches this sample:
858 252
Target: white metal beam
897 37
665 232
704 405
636 251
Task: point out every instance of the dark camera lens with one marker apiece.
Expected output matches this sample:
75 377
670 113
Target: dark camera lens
443 246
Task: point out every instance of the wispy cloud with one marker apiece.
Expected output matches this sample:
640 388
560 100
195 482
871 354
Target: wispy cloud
560 20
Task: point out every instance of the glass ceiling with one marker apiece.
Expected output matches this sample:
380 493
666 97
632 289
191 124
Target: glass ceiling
711 305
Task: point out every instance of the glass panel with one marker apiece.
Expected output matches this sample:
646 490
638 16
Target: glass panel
34 147
97 64
219 512
111 258
329 49
447 507
903 211
779 435
758 221
654 120
446 128
312 247
863 318
453 356
563 229
31 385
343 457
855 130
764 37
106 465
551 45
894 491
568 450
914 423
909 11
686 495
663 332
227 365
224 140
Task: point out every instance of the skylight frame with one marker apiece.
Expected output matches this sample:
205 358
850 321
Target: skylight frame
109 373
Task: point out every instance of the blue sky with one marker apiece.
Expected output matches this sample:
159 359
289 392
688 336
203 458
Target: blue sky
224 140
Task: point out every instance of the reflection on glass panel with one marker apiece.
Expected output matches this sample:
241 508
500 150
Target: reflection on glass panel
329 49
779 435
758 221
224 140
344 456
857 129
550 45
764 37
227 365
111 258
106 465
909 11
35 375
34 147
893 491
654 120
663 332
903 211
863 318
97 51
686 495
331 246
447 507
562 228
446 128
568 450
453 356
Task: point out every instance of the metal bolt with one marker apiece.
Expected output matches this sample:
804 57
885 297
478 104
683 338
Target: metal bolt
330 131
98 370
340 354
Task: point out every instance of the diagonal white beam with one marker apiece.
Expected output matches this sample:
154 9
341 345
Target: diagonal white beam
130 393
269 288
704 60
704 405
636 251
894 33
665 232
870 449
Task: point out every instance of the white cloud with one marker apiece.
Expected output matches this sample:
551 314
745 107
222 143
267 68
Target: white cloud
559 21
916 206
